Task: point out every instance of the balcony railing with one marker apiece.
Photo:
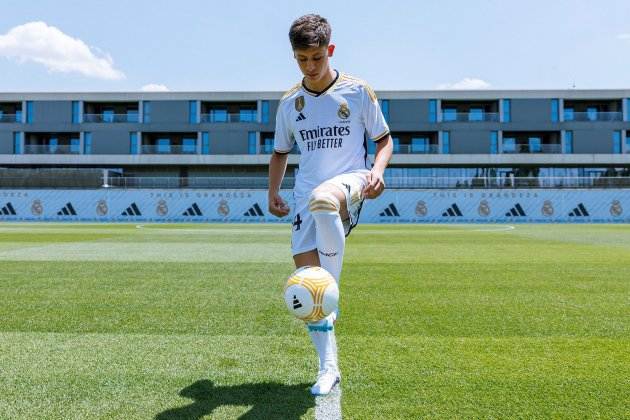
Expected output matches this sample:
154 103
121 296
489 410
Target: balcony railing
10 118
149 149
470 117
413 149
223 117
111 118
49 149
268 149
593 116
530 148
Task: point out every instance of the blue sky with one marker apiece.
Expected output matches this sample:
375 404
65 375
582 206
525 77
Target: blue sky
243 45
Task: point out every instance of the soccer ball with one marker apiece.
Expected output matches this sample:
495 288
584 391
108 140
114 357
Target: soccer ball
311 293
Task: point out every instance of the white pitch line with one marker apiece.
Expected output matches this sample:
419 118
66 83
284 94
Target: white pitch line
498 229
329 406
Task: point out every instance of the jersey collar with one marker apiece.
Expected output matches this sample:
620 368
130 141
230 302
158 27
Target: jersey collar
326 89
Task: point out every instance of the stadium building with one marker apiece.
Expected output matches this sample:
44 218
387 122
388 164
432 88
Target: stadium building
481 139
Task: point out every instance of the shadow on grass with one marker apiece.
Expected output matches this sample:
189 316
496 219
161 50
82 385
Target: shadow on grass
269 400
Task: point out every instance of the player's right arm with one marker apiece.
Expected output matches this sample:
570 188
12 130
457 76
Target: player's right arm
277 166
282 145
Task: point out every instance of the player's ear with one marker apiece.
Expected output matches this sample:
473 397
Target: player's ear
331 50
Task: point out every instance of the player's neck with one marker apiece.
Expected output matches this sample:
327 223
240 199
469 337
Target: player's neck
323 83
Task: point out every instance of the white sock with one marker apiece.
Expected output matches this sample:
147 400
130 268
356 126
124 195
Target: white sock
331 241
323 336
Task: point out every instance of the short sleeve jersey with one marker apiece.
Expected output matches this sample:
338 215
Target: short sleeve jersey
330 129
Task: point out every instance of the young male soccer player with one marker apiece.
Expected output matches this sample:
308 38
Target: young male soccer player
328 115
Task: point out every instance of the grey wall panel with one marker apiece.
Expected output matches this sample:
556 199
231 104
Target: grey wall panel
110 142
57 112
6 142
408 111
169 112
531 110
470 141
228 142
592 141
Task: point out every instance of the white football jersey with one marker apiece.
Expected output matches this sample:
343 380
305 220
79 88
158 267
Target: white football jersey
329 128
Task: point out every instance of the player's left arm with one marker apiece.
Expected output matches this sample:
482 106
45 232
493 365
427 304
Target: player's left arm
376 183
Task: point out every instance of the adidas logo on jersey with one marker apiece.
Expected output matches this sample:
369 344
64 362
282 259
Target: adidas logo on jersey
301 117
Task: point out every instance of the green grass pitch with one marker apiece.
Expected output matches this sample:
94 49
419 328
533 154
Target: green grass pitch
437 321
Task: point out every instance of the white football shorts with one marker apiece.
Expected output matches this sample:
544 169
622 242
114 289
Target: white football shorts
352 184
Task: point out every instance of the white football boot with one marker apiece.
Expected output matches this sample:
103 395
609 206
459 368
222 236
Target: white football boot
326 381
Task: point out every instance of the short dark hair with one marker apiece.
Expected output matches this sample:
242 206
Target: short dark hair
309 31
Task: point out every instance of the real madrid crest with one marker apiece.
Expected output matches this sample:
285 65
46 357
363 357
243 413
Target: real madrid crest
547 208
421 208
344 111
299 103
223 209
101 208
615 208
162 208
37 208
484 208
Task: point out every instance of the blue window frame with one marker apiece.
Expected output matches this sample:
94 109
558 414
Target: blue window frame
133 143
205 143
432 110
18 116
569 114
494 142
591 113
507 110
53 144
218 115
189 145
568 142
385 109
75 145
555 110
616 142
251 142
535 145
627 116
475 114
87 143
268 145
419 145
132 116
446 142
75 112
192 112
396 144
108 115
247 115
29 112
17 143
264 112
449 114
146 111
509 145
164 145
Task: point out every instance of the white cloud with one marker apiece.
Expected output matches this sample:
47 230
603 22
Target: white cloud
47 45
467 83
152 87
624 37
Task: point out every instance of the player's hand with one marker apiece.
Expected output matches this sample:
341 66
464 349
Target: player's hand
277 206
375 185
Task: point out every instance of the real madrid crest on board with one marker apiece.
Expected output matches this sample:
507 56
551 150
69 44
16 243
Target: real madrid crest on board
484 208
615 208
37 208
161 208
547 208
299 103
223 209
421 208
344 111
101 208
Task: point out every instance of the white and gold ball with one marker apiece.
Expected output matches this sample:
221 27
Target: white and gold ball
311 293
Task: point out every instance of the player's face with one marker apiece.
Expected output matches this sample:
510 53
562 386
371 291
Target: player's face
313 62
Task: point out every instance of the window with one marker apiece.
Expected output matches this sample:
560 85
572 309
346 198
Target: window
189 145
419 145
132 116
591 113
87 143
133 143
218 115
627 142
446 142
251 142
555 110
509 145
627 116
433 110
247 115
75 145
449 114
569 114
108 115
264 112
475 114
18 116
535 145
371 147
268 145
164 145
616 142
205 143
396 144
29 112
53 144
385 109
75 112
17 143
192 112
507 110
146 111
494 142
568 142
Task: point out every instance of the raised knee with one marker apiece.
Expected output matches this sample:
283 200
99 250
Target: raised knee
322 200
